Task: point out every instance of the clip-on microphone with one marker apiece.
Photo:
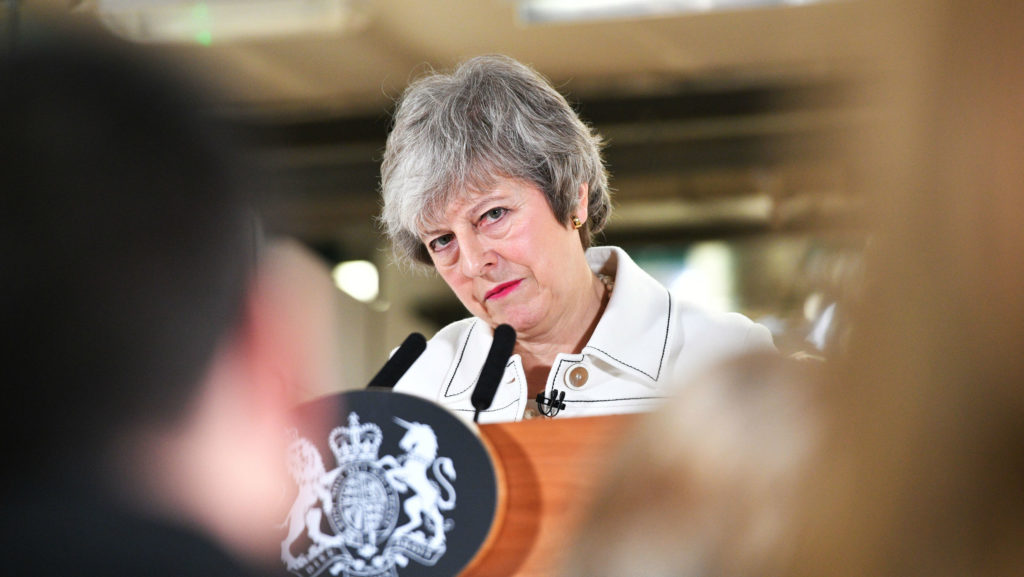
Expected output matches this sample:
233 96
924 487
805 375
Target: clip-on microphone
554 404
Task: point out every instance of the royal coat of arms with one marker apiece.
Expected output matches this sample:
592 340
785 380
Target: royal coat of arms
349 515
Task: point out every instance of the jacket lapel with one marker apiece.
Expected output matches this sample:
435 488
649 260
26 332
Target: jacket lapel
634 332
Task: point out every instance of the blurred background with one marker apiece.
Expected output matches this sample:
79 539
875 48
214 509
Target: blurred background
725 122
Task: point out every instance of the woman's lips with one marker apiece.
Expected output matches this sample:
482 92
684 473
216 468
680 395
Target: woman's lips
502 290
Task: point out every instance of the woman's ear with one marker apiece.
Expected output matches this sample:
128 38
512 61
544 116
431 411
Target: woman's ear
582 202
225 464
294 331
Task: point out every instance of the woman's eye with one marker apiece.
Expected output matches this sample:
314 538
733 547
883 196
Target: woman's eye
440 242
494 213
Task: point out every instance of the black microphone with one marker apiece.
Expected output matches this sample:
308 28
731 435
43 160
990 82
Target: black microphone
494 368
550 406
410 350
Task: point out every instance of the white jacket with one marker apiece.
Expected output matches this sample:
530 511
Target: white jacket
646 342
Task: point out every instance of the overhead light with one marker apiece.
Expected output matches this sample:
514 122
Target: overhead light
555 11
358 279
707 278
215 21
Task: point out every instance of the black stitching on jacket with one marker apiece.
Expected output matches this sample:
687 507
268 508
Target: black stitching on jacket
664 346
465 345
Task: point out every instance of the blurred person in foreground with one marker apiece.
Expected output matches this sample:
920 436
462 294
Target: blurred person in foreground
491 178
705 484
143 412
306 315
923 472
917 464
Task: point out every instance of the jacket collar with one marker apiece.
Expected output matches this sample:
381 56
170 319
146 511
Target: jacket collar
633 332
472 351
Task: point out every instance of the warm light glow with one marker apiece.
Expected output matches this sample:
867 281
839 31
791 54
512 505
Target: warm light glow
707 278
216 21
358 279
544 11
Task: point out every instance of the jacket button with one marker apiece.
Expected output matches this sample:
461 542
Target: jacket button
577 377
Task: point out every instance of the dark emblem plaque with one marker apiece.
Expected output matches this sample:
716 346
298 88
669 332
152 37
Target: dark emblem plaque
398 487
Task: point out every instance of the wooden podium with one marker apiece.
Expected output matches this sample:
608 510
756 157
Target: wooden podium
548 471
377 475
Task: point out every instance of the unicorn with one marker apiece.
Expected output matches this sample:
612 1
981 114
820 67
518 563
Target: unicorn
410 472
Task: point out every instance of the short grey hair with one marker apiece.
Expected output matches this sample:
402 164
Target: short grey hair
491 118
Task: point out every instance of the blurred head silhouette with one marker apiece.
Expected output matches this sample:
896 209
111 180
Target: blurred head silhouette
139 381
917 467
923 471
706 484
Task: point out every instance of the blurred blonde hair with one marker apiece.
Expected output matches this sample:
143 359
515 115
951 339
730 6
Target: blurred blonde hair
915 463
923 469
706 485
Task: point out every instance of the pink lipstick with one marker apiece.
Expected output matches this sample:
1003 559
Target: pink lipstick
502 290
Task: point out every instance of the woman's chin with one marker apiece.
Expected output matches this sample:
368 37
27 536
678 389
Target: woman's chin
495 321
521 323
521 316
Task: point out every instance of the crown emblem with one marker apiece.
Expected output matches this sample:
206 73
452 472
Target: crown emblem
355 442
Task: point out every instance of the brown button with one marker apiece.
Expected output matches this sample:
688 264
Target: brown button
577 377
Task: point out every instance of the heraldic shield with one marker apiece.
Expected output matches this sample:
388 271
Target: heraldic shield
399 487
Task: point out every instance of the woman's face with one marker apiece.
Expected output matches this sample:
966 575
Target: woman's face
507 258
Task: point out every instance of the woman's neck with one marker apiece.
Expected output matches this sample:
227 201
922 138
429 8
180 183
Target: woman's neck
538 352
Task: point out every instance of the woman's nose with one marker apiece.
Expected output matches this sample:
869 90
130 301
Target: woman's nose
476 257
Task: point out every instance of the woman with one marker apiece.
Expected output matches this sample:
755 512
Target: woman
490 177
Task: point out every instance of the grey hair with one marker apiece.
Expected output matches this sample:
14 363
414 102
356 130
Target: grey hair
491 118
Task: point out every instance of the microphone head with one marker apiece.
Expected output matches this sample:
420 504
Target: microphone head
504 341
415 343
410 350
494 367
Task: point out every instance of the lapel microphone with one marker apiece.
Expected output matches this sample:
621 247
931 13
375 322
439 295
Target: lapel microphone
493 369
410 350
550 407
